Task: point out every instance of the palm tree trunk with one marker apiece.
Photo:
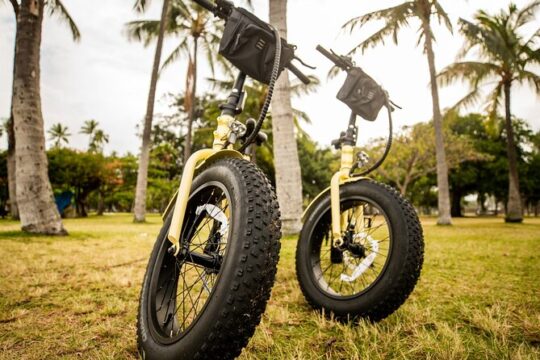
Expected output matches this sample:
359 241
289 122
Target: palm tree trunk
37 209
193 106
513 209
456 203
442 168
142 175
287 164
11 166
101 203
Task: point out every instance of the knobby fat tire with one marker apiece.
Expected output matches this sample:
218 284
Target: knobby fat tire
248 277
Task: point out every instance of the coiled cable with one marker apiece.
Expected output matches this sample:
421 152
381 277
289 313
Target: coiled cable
268 100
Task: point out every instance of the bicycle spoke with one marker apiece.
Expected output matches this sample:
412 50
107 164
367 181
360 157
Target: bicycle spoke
186 288
328 276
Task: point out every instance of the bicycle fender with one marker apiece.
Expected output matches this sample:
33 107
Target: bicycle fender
323 193
214 157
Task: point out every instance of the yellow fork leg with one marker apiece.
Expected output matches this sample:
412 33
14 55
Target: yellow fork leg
183 196
347 155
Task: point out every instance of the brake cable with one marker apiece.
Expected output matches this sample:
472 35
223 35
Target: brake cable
268 99
389 105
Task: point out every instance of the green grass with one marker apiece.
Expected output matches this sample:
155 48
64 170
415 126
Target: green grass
76 297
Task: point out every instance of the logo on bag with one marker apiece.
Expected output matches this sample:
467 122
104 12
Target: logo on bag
261 44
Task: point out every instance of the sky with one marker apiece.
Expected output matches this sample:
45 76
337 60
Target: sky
106 77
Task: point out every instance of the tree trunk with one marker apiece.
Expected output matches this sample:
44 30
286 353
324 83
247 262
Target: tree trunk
101 203
513 209
456 204
193 104
442 168
11 168
144 159
288 175
35 200
481 203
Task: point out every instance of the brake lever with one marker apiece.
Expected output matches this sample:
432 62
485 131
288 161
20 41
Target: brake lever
303 63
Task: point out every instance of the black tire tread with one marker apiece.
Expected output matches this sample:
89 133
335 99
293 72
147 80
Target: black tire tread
408 276
255 268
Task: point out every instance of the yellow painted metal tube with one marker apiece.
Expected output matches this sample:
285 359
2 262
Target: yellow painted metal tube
183 195
334 201
347 158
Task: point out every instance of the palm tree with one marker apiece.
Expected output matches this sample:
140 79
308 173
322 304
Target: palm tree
37 210
505 59
12 182
98 141
397 18
59 134
88 128
144 159
287 164
98 138
196 28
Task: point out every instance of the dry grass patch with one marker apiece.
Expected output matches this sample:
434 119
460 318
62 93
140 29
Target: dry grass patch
76 297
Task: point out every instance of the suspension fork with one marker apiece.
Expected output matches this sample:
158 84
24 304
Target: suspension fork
347 142
220 148
347 158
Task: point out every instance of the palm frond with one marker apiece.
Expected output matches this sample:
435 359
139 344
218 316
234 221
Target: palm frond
526 14
472 98
494 101
221 85
140 6
182 48
442 16
298 88
396 20
531 78
144 31
472 72
375 39
56 6
387 15
333 72
300 115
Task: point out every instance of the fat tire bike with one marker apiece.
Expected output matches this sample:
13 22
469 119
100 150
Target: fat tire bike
213 264
360 251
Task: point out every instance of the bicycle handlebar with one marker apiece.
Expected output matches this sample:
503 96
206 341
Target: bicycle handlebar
222 9
207 4
342 62
300 75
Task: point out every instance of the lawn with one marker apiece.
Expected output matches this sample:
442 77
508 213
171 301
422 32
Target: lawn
76 297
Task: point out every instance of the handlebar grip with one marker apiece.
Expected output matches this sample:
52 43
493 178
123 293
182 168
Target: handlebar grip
300 75
207 4
333 58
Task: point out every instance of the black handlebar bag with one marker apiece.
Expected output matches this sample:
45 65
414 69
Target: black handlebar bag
362 94
250 45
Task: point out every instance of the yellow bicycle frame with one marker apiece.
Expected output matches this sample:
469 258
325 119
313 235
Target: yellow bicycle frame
340 177
198 158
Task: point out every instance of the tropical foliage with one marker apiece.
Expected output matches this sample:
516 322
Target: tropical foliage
504 58
396 19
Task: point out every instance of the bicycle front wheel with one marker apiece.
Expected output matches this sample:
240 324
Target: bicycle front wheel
376 268
205 302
